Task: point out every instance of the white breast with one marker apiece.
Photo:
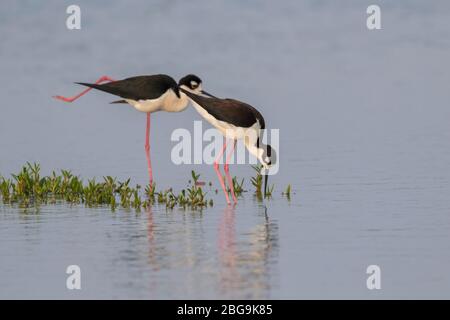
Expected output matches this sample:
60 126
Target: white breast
167 102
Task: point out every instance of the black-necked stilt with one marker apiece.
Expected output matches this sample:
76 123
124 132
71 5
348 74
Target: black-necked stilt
236 120
147 94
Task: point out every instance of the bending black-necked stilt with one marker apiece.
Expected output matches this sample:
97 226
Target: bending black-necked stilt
147 94
235 120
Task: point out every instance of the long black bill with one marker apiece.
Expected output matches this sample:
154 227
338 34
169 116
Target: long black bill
208 94
266 177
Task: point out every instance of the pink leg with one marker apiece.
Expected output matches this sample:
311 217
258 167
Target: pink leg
219 175
147 149
71 99
227 171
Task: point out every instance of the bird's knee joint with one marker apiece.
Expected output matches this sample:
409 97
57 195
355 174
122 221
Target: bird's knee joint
106 78
226 168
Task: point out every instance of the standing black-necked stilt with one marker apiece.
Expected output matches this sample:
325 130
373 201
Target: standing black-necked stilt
147 94
235 120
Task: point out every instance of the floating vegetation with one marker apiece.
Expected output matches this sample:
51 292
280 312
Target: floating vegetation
29 188
193 197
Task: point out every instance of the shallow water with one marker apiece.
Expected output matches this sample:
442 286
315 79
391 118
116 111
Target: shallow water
363 118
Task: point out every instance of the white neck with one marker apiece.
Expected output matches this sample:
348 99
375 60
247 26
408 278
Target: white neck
254 150
174 104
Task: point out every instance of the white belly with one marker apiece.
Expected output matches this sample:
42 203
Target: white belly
167 102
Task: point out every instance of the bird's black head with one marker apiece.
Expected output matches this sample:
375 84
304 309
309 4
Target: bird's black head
268 156
191 81
193 84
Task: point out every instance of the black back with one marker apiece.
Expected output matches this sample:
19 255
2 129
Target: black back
232 111
138 88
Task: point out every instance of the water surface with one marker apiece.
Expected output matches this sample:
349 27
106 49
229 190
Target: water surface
363 118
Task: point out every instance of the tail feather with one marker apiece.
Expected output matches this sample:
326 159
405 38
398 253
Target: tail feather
118 101
92 85
103 87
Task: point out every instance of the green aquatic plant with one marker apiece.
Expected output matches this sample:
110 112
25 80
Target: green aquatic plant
193 196
28 188
238 187
150 192
137 201
287 192
270 191
5 189
257 182
195 177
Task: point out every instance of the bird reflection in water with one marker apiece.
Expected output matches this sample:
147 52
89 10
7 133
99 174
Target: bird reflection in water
227 247
238 266
244 265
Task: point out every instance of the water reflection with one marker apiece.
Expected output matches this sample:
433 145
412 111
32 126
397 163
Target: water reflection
245 263
228 273
237 265
152 258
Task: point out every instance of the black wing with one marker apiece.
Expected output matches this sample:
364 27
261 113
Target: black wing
138 88
232 111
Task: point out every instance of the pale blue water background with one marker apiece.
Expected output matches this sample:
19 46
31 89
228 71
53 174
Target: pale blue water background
364 125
